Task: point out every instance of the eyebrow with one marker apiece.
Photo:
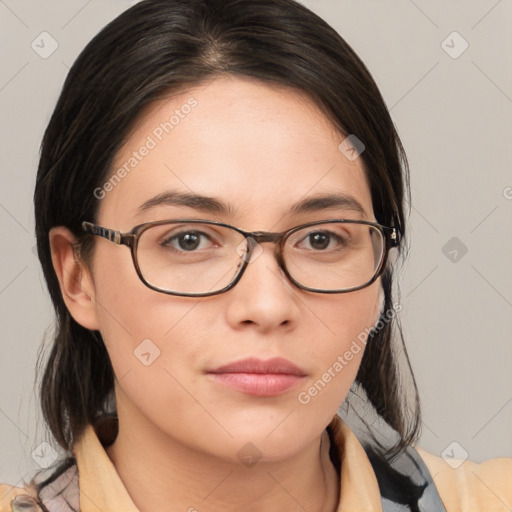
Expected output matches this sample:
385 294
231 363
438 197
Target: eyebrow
316 203
195 201
322 202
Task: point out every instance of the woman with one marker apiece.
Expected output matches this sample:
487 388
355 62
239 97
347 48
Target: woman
244 155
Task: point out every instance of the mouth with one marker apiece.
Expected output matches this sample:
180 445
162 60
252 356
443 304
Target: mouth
263 378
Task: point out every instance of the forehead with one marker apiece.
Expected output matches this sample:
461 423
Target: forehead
257 148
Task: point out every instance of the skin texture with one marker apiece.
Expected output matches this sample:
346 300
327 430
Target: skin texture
261 149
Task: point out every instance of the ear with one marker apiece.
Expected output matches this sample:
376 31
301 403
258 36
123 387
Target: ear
75 280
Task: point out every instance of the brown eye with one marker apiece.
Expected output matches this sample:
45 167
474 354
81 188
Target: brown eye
322 240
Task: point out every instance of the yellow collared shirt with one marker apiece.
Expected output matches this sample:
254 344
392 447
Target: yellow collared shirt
470 487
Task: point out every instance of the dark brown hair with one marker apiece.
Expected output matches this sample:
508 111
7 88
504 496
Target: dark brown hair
151 51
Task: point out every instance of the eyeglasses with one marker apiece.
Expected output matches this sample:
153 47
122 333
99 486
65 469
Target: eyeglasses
199 258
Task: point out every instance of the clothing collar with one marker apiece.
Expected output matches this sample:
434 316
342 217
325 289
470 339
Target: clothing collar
101 487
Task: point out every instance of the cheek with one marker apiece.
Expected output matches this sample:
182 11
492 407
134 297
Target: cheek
155 343
144 331
346 323
343 319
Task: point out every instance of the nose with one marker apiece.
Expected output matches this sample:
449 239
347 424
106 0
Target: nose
264 298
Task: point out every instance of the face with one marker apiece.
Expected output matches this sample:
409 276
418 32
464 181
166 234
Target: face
259 150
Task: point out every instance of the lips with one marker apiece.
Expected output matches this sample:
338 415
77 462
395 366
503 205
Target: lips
258 377
277 365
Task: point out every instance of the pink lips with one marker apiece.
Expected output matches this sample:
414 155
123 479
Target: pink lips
259 378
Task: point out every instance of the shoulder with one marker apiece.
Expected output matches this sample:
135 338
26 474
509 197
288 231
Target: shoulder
465 485
58 492
21 495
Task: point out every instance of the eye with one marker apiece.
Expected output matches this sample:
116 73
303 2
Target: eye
187 241
322 240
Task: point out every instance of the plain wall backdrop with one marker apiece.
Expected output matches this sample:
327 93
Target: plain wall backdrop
445 71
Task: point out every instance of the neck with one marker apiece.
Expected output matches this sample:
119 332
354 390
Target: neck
161 473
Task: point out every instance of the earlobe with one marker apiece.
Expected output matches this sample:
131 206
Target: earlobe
75 280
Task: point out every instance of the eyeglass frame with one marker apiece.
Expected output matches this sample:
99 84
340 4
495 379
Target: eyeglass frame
391 237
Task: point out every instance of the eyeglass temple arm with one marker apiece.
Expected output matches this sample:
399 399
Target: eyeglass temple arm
109 234
394 236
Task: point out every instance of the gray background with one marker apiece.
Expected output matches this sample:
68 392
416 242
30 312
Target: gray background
453 112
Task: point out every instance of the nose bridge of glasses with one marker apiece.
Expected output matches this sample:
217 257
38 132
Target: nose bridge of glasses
258 237
255 238
264 236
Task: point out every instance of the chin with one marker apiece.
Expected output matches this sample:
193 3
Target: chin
272 440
